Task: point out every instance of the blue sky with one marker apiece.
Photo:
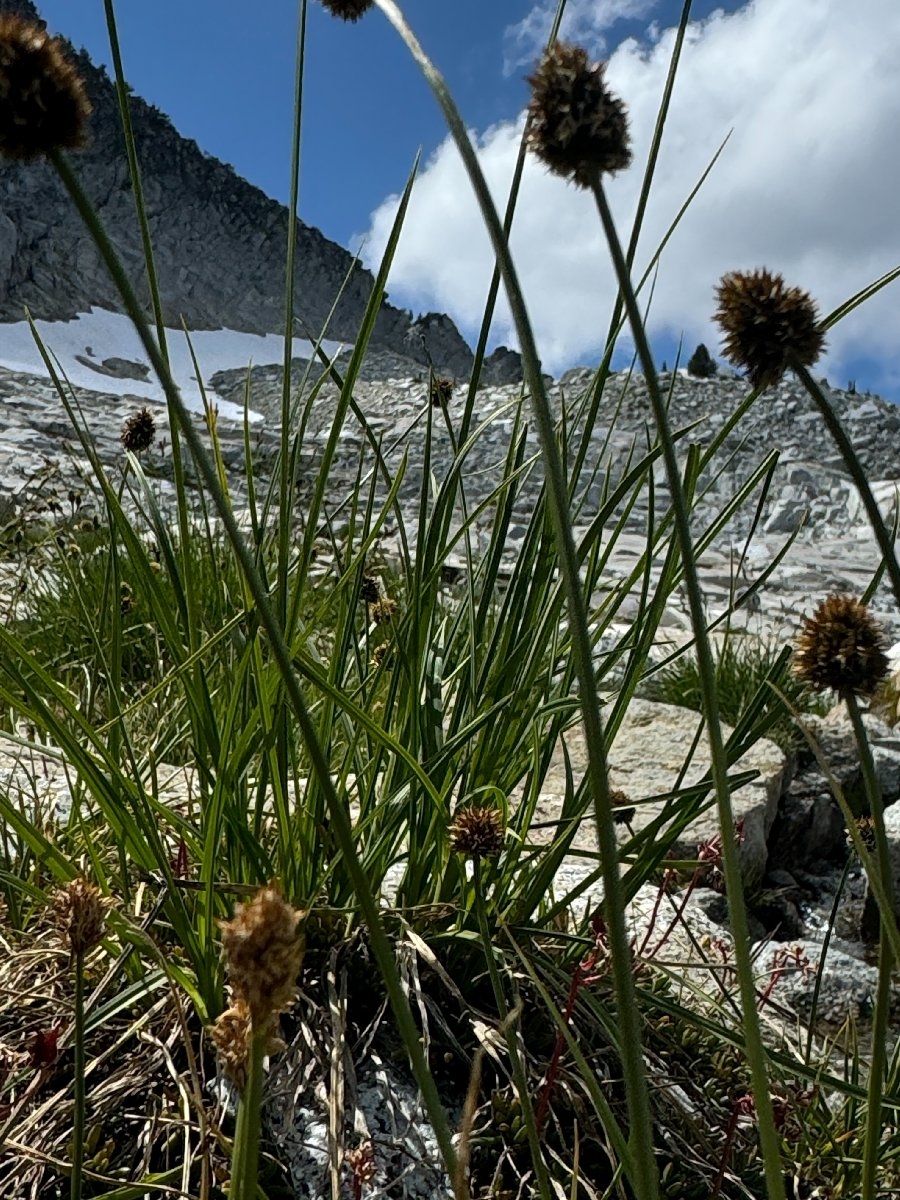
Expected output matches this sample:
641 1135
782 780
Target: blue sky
806 185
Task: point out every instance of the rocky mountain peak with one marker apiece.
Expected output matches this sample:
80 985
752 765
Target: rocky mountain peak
220 244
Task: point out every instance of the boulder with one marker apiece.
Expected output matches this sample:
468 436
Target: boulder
833 734
645 762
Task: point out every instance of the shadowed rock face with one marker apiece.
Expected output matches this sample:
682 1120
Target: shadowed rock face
220 243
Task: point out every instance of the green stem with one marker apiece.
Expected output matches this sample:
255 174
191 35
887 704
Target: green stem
245 1155
872 1139
756 1054
856 472
338 812
646 1180
285 473
78 1116
512 1044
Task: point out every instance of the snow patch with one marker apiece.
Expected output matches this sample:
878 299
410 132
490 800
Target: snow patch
100 335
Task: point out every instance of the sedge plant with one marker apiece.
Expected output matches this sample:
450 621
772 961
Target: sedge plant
335 727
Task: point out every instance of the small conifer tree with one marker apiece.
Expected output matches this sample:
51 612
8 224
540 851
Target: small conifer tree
701 364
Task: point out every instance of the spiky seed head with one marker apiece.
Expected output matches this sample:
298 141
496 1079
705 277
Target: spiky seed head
866 828
80 909
139 431
441 391
842 648
477 832
347 10
622 811
384 610
43 103
369 590
767 325
576 126
264 952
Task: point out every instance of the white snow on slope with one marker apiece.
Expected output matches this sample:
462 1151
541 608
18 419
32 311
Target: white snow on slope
100 334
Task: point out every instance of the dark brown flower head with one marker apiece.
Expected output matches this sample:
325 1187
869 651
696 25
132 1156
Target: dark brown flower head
80 909
842 648
477 832
43 104
767 325
264 952
369 590
575 125
441 391
866 828
622 811
139 431
347 10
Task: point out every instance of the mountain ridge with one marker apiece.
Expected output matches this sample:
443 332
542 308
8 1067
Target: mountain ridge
219 241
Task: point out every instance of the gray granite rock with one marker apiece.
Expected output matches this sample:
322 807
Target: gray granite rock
645 761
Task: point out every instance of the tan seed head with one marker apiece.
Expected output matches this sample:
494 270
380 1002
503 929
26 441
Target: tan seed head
264 952
80 909
232 1034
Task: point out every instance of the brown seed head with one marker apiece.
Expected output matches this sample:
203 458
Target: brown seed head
866 827
264 952
138 431
623 812
767 325
841 647
369 589
441 391
575 125
477 832
347 10
80 909
384 610
43 104
231 1035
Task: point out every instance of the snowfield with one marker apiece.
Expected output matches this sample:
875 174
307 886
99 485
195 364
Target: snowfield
98 335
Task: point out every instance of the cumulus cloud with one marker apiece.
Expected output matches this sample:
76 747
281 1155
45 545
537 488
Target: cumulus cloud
806 185
584 21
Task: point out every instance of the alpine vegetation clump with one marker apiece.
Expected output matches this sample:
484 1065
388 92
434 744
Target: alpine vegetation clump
229 693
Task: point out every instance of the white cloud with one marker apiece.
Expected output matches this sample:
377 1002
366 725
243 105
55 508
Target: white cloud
807 186
584 21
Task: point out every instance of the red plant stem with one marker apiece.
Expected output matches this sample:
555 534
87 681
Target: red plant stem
678 915
726 1153
580 978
